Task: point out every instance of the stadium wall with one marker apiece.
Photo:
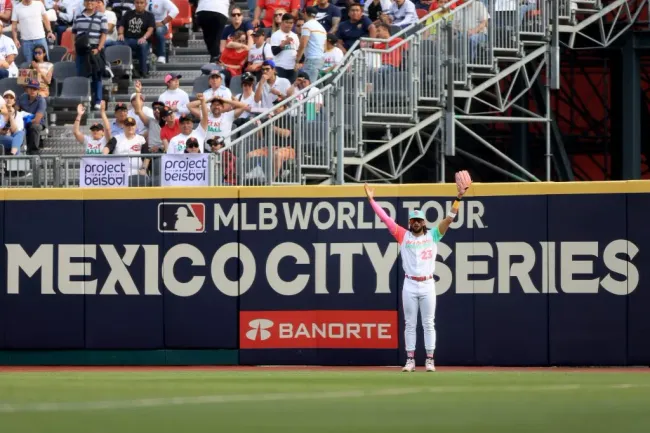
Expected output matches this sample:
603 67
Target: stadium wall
530 274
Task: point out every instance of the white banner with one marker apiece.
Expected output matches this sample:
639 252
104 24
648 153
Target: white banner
103 172
185 169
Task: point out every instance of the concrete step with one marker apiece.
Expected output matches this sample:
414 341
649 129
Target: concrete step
188 59
175 66
191 51
157 77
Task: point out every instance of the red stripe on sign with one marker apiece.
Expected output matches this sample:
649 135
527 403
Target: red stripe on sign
199 211
318 329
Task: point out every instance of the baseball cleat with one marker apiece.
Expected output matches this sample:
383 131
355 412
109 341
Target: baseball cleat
429 365
409 366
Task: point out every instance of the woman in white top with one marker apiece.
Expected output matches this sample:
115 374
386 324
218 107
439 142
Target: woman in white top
12 132
129 143
41 64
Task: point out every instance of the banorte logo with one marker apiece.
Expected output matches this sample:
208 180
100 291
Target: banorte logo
259 329
318 329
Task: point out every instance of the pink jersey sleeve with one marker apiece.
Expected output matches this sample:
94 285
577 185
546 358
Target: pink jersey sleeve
397 231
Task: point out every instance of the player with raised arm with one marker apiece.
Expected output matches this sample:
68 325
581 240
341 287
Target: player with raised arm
418 247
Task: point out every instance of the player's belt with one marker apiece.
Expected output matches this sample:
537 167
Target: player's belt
411 277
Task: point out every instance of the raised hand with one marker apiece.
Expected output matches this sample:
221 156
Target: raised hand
463 181
81 109
370 192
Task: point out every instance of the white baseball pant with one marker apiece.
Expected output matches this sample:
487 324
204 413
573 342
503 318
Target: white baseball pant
419 295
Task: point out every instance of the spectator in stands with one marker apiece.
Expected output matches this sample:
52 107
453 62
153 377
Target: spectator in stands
121 113
472 25
170 127
164 11
30 19
130 143
216 87
315 102
297 27
111 22
237 23
192 146
212 16
8 53
401 13
149 118
284 44
65 13
88 37
140 127
392 60
373 8
41 63
333 55
174 98
312 44
32 102
119 7
233 57
134 29
270 8
12 126
247 96
357 27
258 53
271 86
328 15
96 142
277 20
6 7
228 160
221 116
186 122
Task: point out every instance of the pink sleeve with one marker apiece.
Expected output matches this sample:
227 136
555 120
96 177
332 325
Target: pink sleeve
397 231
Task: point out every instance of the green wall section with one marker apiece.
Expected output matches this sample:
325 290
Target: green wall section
119 357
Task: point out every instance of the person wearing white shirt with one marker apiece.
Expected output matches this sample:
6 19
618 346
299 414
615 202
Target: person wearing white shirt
8 53
284 45
29 18
472 25
221 117
247 96
212 17
175 98
271 86
186 124
259 51
333 55
373 8
140 127
216 89
129 143
164 11
401 13
111 20
312 44
12 126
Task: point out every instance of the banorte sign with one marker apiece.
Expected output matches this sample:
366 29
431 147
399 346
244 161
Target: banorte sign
322 329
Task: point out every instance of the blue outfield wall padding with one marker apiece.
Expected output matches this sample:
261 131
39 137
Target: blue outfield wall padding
201 301
454 320
42 238
510 301
638 300
588 323
124 308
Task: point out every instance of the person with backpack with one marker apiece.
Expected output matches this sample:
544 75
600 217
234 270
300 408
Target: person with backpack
258 54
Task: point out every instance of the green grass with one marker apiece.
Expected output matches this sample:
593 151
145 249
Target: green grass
327 401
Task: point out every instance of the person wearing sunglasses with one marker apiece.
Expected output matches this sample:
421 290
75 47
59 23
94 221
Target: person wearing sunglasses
237 23
270 8
192 146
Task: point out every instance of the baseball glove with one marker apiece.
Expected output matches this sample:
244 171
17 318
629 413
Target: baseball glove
463 181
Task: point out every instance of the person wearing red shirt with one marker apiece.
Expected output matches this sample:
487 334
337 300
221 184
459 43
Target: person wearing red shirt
391 60
170 127
234 56
269 7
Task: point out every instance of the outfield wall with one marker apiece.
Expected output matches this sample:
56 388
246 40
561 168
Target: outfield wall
529 274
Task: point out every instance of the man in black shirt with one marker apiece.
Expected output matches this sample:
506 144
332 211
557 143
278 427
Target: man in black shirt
134 30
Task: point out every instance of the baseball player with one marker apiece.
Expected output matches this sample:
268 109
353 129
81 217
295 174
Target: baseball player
418 247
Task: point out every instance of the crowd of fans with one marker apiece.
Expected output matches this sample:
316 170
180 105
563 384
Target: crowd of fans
283 47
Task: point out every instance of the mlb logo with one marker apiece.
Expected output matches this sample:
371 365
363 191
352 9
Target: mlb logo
181 217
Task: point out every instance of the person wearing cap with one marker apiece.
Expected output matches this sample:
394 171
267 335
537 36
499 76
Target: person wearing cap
164 12
270 87
130 144
169 127
333 55
186 122
247 96
217 88
313 95
284 45
328 15
258 53
174 97
141 127
237 22
121 113
135 29
192 146
221 116
228 160
312 44
8 53
30 19
33 103
99 132
12 126
418 247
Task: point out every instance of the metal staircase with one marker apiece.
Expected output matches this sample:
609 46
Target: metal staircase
368 122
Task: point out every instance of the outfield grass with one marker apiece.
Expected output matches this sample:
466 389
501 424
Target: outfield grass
270 400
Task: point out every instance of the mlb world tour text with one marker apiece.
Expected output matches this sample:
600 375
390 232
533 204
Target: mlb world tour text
478 267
